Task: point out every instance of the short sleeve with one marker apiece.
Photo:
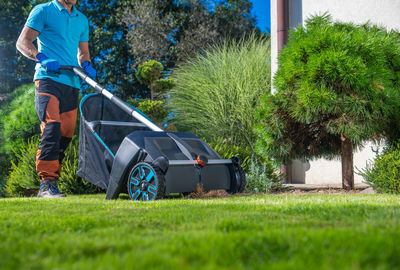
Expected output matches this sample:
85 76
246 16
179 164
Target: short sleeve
36 19
85 31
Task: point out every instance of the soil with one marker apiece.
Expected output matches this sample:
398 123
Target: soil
200 193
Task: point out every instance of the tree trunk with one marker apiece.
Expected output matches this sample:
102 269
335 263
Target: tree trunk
286 170
151 91
347 163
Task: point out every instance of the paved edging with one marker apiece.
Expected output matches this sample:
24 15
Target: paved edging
307 187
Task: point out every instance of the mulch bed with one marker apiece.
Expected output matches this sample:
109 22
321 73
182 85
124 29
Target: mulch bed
200 193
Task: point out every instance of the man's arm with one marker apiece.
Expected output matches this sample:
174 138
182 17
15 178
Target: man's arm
84 59
25 42
83 52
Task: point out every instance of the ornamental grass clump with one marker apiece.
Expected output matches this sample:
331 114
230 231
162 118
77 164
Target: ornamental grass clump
217 90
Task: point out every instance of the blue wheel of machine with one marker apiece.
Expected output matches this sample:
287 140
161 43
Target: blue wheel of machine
146 182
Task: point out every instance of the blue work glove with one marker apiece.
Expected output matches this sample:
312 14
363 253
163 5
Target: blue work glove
89 69
51 65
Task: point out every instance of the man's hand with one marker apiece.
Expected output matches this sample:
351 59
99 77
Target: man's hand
89 69
51 65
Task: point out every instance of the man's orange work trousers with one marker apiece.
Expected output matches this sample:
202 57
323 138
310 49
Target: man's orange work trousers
56 106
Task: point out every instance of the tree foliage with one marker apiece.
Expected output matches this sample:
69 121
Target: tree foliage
15 69
108 45
234 18
150 73
337 86
176 30
124 34
173 31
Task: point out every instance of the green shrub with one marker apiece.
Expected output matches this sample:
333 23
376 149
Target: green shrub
263 177
18 119
24 181
150 74
216 91
155 110
383 174
69 182
2 185
15 93
18 122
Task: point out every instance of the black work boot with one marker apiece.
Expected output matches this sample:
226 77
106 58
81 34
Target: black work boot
49 189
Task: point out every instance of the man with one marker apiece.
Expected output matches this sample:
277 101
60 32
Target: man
62 34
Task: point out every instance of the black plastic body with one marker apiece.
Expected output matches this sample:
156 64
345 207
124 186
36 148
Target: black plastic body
182 174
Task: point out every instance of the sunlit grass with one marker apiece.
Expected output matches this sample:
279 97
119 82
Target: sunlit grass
258 232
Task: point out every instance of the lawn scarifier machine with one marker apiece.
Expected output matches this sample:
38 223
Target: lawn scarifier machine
122 150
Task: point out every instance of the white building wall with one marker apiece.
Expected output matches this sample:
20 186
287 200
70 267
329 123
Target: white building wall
382 12
274 41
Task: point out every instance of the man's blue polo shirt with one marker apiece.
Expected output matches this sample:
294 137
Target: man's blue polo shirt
60 34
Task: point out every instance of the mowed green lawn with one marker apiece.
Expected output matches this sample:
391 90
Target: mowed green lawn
336 231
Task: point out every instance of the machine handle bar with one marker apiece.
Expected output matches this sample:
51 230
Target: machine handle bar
114 99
